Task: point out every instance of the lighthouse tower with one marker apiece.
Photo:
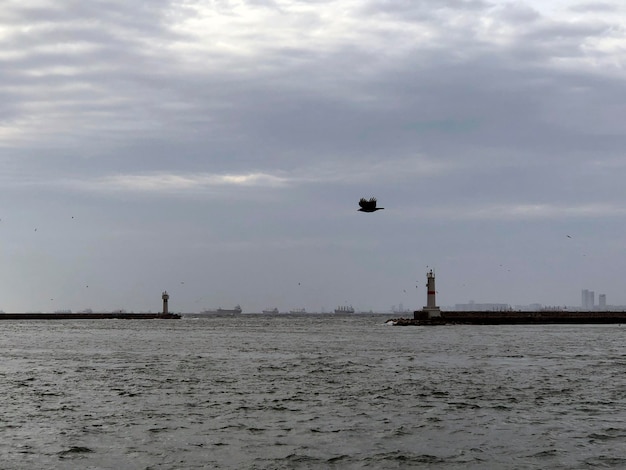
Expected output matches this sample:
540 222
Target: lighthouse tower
165 296
431 309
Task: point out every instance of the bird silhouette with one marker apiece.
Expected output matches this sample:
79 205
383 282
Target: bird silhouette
368 206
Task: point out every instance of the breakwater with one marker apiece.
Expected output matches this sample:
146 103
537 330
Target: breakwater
514 318
87 316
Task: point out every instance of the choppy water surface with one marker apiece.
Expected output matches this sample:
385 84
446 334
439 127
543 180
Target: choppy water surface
314 391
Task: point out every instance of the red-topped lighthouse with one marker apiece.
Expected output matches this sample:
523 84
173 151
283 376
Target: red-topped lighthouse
431 302
431 310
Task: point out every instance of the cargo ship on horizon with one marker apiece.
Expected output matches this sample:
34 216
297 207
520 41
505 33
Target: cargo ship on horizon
224 311
345 309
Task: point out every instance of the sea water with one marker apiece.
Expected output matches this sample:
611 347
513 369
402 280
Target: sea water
310 392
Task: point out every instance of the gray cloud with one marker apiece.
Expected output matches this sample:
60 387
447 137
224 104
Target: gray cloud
587 7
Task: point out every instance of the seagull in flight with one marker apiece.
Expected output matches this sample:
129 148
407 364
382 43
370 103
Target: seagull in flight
368 206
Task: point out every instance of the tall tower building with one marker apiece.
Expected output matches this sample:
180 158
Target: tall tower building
588 299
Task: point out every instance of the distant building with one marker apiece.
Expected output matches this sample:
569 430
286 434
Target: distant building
602 301
400 309
482 307
535 307
587 299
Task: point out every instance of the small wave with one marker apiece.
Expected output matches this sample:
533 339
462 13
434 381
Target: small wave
404 458
608 434
462 405
280 408
155 430
401 431
338 459
501 407
257 430
75 450
545 453
603 461
303 459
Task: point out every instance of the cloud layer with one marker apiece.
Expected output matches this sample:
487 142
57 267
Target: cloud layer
252 128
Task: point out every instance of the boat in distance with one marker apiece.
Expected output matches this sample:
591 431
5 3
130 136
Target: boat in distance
345 309
224 311
297 310
271 310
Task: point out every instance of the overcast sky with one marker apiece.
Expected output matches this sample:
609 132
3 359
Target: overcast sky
218 150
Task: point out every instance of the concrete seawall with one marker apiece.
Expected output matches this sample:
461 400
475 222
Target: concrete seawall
514 318
86 316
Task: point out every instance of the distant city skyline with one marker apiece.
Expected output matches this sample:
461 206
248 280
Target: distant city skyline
587 303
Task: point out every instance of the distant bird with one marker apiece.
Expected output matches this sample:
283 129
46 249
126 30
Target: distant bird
368 206
569 236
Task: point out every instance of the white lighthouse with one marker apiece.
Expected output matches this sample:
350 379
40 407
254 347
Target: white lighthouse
165 296
431 301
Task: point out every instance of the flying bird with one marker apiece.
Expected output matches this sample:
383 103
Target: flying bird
369 206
